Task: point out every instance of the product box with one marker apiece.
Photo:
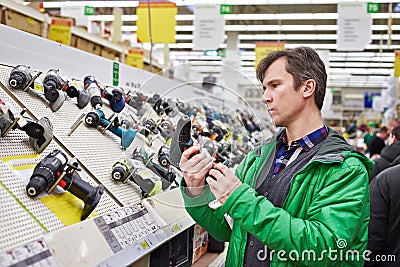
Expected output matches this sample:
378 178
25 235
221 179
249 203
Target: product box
107 53
22 22
200 242
88 46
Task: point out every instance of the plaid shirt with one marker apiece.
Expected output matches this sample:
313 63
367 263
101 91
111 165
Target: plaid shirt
284 151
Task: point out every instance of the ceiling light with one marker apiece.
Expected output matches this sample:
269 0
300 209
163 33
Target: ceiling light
91 3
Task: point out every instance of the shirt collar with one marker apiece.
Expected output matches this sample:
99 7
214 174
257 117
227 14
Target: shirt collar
307 142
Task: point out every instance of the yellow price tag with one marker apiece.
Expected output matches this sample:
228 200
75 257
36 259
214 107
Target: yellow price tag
176 227
38 87
144 244
31 21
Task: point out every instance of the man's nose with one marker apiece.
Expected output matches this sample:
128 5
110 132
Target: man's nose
266 98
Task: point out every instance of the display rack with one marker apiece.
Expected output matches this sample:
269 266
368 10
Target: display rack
26 222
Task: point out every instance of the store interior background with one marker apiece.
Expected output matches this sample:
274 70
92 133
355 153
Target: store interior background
355 77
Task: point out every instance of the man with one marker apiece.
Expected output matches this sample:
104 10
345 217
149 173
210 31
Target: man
384 228
377 143
391 124
304 191
390 155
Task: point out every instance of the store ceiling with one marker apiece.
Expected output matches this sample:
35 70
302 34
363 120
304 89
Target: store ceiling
295 23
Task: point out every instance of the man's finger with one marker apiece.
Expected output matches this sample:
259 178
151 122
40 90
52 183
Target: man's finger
210 181
216 174
190 151
221 167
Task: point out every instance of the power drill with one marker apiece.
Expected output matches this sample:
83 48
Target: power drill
115 98
54 170
181 140
40 133
92 86
97 117
20 77
126 168
52 84
167 175
163 156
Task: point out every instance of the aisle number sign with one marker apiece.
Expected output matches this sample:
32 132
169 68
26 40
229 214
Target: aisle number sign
60 30
397 63
115 73
225 9
163 22
373 7
263 49
134 58
89 10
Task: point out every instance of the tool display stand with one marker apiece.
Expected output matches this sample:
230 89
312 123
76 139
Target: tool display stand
124 228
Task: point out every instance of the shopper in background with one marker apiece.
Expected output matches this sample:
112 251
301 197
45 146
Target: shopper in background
391 124
371 133
390 155
377 143
384 227
305 189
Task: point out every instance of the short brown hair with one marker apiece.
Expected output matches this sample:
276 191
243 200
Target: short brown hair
303 63
396 133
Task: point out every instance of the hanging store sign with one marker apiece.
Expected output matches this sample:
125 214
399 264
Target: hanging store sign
225 9
208 27
76 12
89 10
60 30
373 7
134 58
263 49
354 26
397 63
162 22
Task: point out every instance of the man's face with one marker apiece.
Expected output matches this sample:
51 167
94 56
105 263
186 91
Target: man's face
283 101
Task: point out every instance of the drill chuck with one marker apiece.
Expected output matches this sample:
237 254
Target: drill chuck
121 170
20 77
46 173
36 185
163 156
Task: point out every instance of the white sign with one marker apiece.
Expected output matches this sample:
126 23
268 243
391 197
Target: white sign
76 12
208 27
354 26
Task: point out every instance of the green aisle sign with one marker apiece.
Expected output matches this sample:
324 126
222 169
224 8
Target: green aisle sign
89 10
115 73
373 7
225 9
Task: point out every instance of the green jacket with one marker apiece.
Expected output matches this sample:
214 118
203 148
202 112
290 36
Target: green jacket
325 213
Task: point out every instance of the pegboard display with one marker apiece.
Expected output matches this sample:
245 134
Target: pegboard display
95 151
17 225
24 218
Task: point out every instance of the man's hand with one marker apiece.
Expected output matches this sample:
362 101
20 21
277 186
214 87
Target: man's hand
195 168
225 182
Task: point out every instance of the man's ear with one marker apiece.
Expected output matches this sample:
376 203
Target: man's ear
308 88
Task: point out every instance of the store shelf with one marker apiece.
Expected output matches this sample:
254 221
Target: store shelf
29 221
106 48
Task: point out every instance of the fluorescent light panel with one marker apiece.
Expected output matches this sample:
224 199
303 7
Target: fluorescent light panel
287 16
91 3
190 28
266 2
